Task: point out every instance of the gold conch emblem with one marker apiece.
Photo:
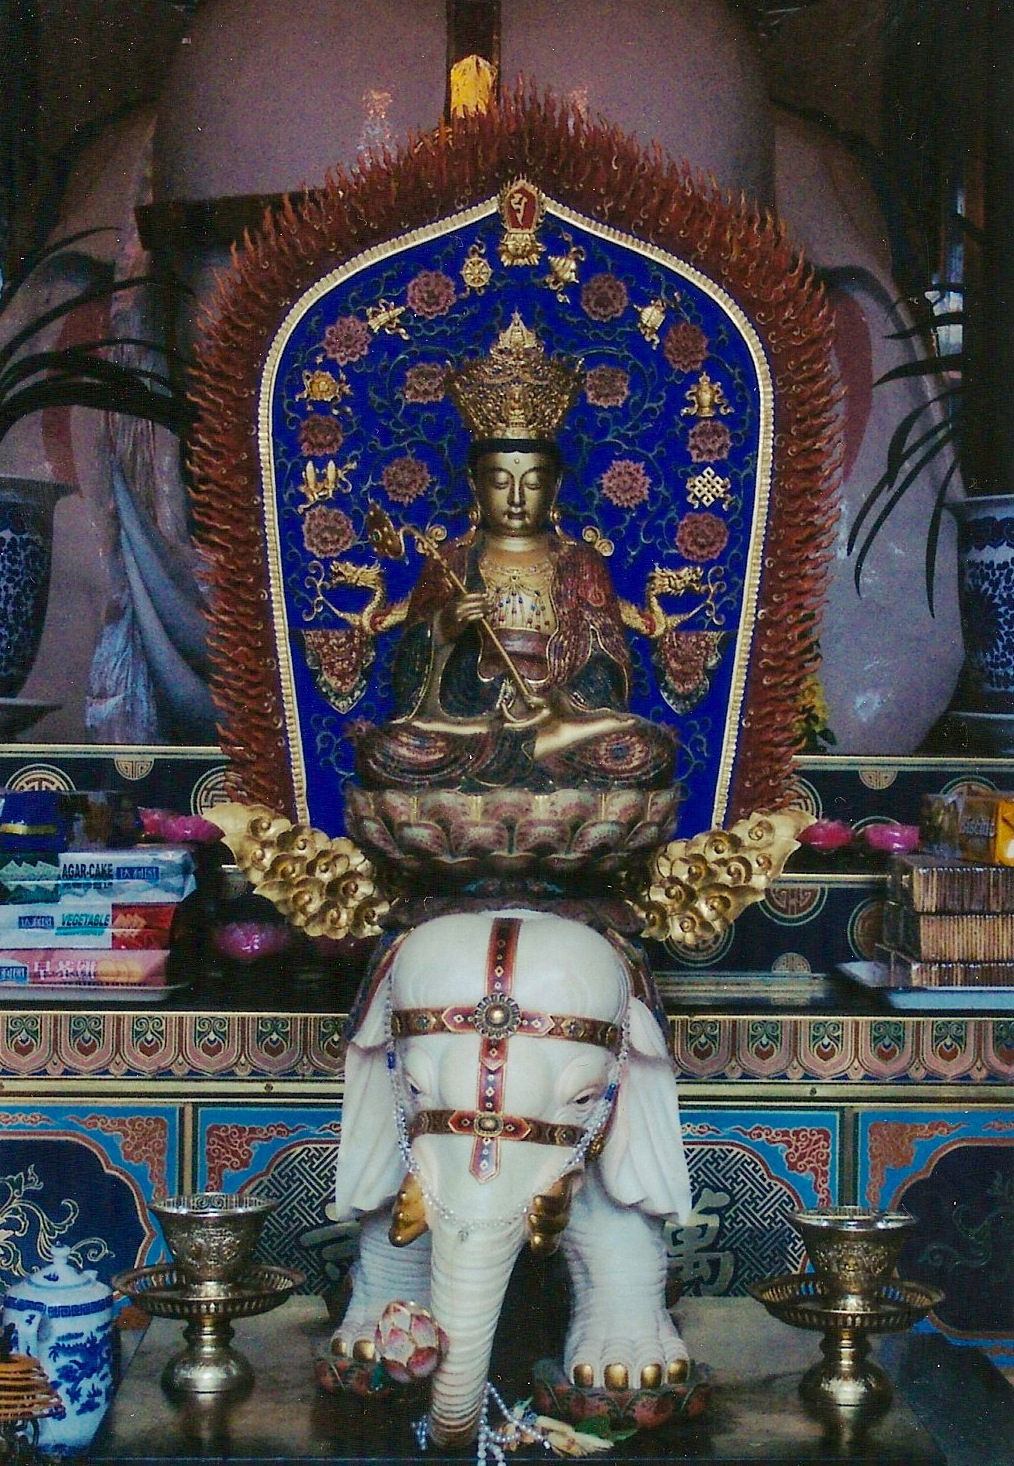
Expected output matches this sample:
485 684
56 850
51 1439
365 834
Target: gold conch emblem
522 207
563 269
706 398
649 320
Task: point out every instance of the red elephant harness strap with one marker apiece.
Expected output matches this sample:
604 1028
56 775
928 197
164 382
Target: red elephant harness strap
495 1018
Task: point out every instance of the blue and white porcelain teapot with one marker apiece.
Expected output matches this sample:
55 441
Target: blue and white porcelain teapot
63 1317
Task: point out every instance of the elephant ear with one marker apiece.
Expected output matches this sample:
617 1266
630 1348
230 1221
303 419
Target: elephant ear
370 1167
643 1163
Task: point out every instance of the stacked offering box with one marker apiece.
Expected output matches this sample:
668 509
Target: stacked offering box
92 923
91 917
139 874
948 923
73 967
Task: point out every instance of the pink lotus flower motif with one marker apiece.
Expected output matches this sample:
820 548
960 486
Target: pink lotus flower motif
424 382
891 837
319 435
709 441
327 532
625 483
347 340
826 836
607 386
685 346
431 293
604 297
406 479
409 1342
701 537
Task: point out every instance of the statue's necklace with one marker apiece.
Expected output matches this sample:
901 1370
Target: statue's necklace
520 595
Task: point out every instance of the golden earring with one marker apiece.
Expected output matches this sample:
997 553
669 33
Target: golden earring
554 519
474 516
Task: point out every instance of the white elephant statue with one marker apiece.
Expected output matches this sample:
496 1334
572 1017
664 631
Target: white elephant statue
504 1060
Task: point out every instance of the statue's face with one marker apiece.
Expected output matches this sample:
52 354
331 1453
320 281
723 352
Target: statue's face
515 491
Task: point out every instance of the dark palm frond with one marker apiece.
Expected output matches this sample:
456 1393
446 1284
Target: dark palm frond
940 318
933 530
126 397
86 297
81 360
37 257
890 489
84 374
899 451
932 366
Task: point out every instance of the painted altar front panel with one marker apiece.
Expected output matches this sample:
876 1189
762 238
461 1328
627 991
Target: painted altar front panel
286 1152
749 1168
953 1169
81 1175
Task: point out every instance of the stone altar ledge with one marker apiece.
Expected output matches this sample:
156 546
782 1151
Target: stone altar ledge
951 1408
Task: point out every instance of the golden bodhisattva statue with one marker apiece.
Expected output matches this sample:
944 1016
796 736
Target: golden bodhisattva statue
514 668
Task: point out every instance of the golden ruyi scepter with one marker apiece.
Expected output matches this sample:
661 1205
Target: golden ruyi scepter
389 541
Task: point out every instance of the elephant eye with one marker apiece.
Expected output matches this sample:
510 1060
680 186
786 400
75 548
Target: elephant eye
586 1097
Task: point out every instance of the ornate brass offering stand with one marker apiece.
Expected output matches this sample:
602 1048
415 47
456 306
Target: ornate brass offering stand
211 1237
208 1365
848 1298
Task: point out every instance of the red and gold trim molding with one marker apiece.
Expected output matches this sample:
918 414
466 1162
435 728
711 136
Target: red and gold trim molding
600 172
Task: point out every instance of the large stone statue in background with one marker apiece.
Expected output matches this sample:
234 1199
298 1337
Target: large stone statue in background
883 694
251 128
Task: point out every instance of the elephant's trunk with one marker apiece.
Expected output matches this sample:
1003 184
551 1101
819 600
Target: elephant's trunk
470 1277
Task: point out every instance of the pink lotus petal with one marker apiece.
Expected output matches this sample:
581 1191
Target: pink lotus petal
178 829
892 838
422 1363
409 1341
826 835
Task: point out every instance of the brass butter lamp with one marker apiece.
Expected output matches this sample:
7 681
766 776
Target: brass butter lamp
852 1294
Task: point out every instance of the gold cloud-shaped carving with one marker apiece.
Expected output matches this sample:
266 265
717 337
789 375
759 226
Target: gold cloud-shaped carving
696 888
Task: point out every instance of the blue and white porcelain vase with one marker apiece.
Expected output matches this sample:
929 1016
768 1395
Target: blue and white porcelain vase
26 550
986 573
63 1317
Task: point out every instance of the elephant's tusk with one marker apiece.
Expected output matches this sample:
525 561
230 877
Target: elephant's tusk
548 1217
408 1219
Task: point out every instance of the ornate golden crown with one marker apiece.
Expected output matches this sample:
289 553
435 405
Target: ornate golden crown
517 391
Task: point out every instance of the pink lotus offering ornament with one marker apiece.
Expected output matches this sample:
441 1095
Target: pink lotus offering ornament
826 836
892 838
178 829
409 1342
248 941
